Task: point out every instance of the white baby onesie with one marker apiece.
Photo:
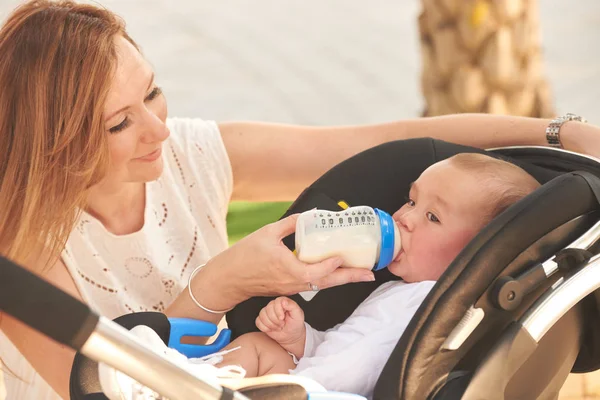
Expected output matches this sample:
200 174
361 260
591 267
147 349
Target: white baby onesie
350 356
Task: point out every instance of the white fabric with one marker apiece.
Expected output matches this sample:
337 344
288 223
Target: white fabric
118 386
144 271
350 356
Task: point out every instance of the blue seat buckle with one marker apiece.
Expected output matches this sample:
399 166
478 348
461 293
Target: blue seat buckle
181 327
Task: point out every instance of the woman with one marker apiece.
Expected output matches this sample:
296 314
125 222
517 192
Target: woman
108 199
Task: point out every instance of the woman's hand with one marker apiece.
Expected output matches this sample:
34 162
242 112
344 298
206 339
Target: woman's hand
261 265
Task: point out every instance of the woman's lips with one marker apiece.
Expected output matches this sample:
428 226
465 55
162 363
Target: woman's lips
151 156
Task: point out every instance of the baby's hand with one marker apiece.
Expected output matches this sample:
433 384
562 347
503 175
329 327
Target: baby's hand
283 321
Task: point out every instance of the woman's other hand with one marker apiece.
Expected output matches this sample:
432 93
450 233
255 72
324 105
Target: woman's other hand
581 137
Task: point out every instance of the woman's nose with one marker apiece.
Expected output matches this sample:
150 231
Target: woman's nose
155 130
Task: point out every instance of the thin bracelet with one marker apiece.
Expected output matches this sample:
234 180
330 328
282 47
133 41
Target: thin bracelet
194 272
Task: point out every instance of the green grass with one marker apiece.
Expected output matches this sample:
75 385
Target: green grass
244 218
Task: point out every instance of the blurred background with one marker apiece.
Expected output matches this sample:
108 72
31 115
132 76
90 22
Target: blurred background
357 62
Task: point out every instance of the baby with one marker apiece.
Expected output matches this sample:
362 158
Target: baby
447 206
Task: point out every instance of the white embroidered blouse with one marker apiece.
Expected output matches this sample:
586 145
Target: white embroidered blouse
184 226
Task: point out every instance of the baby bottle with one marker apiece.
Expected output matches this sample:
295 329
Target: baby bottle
364 237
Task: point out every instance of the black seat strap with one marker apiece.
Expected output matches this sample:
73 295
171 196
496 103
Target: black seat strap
591 180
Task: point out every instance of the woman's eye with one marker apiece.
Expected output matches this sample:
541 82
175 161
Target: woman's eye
431 216
125 123
154 94
118 128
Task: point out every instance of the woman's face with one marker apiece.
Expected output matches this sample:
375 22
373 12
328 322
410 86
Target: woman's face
134 116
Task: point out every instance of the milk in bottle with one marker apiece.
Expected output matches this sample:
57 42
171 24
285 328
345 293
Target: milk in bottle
364 237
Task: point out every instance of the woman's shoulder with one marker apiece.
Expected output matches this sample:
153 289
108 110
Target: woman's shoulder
196 161
186 131
199 142
196 140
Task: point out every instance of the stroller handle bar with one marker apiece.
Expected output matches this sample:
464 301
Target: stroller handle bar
43 306
116 346
67 320
588 239
561 298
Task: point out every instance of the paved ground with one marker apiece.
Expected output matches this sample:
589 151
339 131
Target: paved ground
329 62
325 62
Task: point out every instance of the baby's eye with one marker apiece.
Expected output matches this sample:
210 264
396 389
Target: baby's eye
432 217
410 202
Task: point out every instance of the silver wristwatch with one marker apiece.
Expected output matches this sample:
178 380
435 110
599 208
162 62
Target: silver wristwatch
553 129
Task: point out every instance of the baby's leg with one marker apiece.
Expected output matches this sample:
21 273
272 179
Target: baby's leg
259 355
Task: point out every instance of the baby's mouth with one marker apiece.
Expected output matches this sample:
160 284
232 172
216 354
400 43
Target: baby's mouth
399 255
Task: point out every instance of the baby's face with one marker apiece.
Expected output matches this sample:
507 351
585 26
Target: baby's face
445 210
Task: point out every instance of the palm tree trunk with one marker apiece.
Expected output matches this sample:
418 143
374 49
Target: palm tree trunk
483 56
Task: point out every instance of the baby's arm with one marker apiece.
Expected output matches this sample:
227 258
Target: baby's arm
352 354
283 321
258 355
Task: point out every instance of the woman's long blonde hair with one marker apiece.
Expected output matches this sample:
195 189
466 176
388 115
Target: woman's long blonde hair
57 60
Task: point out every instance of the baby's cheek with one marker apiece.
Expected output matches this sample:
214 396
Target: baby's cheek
456 242
439 258
447 249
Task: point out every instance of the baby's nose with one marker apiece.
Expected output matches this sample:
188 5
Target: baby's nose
404 218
